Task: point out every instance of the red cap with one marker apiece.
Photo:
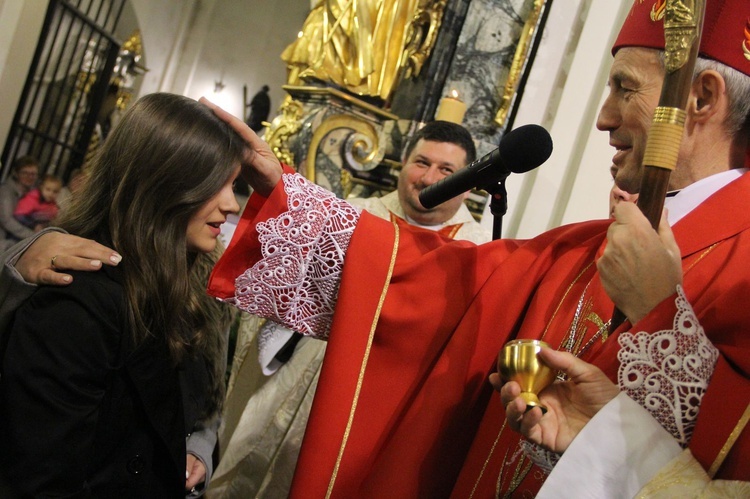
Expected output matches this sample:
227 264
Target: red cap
725 37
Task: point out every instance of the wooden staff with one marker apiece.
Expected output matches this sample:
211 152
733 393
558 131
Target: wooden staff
683 23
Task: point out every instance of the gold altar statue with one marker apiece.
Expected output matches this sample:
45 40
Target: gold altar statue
364 46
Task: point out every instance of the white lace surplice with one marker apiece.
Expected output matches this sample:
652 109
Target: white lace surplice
297 281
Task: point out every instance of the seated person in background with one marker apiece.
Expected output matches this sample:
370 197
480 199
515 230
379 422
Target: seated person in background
24 173
104 381
38 206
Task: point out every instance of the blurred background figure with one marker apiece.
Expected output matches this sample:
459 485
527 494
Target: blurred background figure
39 206
260 106
23 177
66 193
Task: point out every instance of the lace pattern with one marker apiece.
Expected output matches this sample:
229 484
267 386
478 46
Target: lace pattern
545 459
297 280
667 372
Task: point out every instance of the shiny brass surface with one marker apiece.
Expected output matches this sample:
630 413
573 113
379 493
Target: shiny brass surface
364 46
348 122
518 361
681 31
286 124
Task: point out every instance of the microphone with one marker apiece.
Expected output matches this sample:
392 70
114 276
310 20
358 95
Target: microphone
521 150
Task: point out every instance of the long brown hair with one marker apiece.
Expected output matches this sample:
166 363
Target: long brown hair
166 157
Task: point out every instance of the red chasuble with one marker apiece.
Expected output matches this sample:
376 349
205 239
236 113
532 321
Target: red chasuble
403 407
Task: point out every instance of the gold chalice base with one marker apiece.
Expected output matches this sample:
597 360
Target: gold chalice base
518 361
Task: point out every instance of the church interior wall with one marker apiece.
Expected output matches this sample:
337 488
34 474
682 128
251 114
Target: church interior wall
190 45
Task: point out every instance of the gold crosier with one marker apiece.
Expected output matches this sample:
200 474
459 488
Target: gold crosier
683 22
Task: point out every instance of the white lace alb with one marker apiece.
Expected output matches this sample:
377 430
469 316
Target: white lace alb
667 372
297 280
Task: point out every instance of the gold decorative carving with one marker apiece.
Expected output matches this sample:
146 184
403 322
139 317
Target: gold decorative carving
299 90
364 46
346 183
519 62
286 124
680 32
338 122
422 35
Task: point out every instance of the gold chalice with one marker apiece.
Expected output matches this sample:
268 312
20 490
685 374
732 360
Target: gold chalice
518 361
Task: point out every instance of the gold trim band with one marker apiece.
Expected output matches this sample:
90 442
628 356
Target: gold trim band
730 442
671 115
520 59
363 367
664 138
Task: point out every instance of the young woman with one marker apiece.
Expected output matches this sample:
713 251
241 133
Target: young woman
103 380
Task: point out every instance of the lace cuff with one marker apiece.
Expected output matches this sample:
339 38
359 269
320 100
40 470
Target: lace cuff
297 280
545 459
667 372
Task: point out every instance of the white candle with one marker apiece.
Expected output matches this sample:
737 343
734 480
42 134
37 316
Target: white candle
451 109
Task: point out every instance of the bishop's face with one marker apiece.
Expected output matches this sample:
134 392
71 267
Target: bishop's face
635 82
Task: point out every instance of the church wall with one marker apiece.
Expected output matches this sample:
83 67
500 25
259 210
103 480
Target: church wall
190 44
162 24
20 24
239 43
563 94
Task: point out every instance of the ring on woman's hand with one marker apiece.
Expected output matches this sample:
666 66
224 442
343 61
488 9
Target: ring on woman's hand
53 261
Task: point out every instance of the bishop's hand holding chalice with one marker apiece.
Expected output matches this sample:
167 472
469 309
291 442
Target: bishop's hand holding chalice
547 412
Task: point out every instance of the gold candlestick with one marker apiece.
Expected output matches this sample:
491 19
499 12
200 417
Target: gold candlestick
518 361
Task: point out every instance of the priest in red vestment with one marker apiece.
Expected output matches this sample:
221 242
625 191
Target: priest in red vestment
415 322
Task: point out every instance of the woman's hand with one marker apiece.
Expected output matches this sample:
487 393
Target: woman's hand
43 261
195 472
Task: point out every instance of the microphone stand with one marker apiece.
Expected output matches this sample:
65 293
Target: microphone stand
498 206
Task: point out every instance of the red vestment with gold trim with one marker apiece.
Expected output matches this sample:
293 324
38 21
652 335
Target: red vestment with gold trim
403 407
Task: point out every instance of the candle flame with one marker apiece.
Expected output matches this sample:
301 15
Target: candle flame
454 94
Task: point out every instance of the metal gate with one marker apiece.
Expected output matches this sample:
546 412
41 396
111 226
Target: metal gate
66 85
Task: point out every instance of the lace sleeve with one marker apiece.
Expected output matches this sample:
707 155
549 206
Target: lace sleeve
297 280
667 372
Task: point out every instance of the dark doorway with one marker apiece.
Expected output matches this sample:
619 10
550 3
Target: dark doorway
67 85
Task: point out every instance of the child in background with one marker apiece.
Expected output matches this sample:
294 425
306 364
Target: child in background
38 206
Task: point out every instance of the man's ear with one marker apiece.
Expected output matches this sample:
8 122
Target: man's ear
708 96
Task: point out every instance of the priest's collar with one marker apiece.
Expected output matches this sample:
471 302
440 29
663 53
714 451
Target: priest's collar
686 200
